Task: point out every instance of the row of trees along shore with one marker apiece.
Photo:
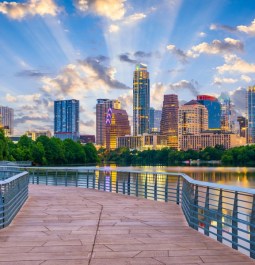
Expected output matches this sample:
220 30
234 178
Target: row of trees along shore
53 151
47 151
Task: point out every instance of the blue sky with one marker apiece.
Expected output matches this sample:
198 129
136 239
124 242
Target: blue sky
87 49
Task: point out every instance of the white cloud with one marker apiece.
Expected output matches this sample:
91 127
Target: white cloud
201 34
111 9
246 78
236 64
18 11
134 18
113 28
22 98
192 86
247 29
220 80
216 47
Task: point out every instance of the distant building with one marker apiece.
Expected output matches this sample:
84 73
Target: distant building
141 100
143 142
251 114
117 124
7 120
169 120
192 118
155 118
35 134
102 107
202 140
226 113
87 138
214 110
243 123
66 119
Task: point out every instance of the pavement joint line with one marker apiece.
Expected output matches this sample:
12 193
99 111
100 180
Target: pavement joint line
95 237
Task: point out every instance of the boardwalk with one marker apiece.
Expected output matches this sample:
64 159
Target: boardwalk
74 226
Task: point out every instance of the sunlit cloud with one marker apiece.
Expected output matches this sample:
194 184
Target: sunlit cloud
16 10
113 28
246 78
191 86
222 80
235 64
111 9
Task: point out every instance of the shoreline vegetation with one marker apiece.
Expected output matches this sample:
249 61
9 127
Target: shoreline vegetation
47 151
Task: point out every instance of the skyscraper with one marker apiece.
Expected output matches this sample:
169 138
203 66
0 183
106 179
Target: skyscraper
101 111
193 118
169 120
214 110
155 118
251 114
242 126
226 120
117 124
7 119
141 100
66 119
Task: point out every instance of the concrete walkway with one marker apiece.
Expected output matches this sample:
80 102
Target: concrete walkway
74 226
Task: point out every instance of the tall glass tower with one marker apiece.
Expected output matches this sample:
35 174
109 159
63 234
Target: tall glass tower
141 100
251 114
66 119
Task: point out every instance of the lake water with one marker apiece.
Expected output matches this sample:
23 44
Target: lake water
234 176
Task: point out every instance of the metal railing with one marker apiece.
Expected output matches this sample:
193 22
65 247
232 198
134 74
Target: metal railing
222 212
13 193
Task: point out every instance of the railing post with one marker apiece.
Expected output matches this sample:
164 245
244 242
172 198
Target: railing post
56 178
94 180
76 178
33 178
129 178
98 182
136 186
123 187
252 230
87 179
110 181
166 189
46 177
178 191
195 210
117 185
207 213
156 188
1 210
66 178
145 186
234 222
219 218
104 183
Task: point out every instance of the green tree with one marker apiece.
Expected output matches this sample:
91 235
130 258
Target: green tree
91 153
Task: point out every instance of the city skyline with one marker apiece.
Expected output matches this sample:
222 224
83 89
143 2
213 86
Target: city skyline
53 50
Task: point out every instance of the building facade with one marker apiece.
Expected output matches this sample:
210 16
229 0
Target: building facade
7 120
35 134
117 124
143 142
214 110
87 138
226 113
169 120
192 118
155 118
251 114
141 100
66 119
202 140
102 107
243 122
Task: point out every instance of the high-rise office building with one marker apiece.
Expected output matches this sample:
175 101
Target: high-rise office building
169 120
226 119
102 107
155 118
141 100
251 114
192 118
7 119
243 122
117 124
214 110
66 119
